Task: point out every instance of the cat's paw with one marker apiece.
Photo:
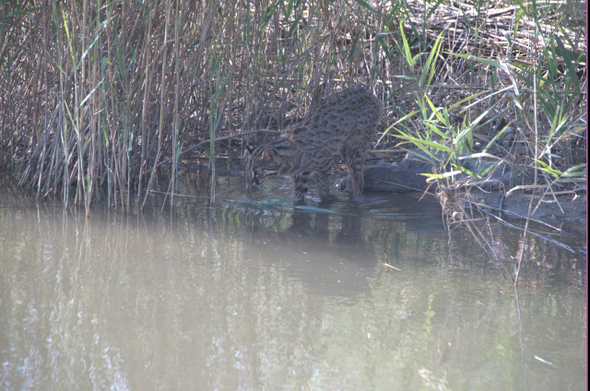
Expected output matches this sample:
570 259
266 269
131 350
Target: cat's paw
341 184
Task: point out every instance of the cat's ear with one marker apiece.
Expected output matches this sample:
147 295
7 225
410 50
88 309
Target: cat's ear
269 153
297 130
250 149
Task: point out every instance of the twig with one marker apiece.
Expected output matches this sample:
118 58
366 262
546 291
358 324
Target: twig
484 206
393 267
219 139
565 246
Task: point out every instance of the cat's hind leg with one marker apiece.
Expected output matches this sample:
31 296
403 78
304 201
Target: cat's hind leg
354 159
323 182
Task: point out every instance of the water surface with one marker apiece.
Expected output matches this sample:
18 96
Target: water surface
242 295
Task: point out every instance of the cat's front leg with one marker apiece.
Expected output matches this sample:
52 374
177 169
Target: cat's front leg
323 183
301 181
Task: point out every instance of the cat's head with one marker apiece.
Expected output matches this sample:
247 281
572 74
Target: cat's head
263 162
268 161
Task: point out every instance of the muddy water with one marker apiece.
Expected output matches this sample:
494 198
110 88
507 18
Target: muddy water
240 294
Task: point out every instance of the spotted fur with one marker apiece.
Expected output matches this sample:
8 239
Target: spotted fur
342 123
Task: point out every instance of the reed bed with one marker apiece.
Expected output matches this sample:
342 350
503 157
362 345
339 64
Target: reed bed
99 96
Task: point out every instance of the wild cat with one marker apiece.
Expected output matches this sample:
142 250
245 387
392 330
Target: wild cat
344 122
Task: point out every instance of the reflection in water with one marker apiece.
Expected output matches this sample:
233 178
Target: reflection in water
239 296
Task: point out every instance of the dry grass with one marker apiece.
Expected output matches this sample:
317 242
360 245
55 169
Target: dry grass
98 95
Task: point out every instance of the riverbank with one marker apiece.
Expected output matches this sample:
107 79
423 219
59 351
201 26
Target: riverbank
565 213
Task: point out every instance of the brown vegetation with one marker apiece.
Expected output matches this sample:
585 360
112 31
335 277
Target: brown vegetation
97 95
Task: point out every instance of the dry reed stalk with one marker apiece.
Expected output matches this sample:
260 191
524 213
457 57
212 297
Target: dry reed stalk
279 60
176 96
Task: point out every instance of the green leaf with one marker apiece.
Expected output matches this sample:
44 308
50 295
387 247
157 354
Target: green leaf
463 170
437 131
367 6
406 46
433 145
433 9
269 12
413 113
437 176
430 65
576 171
435 110
443 175
548 169
293 27
480 59
90 93
565 54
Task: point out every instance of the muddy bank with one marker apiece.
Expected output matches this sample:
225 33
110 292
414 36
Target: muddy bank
565 212
491 195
